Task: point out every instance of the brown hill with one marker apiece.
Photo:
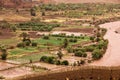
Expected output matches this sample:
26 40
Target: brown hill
30 3
87 1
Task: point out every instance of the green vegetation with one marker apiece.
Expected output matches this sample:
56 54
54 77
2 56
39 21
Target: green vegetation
80 10
37 26
53 60
80 54
26 58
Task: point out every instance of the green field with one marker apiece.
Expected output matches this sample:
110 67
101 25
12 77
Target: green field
33 57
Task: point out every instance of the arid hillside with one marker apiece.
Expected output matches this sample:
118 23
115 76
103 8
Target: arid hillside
87 1
30 3
22 3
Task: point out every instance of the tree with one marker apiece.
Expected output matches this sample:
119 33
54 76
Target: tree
65 62
13 27
65 43
79 53
4 54
46 37
24 35
43 13
34 44
96 54
33 12
58 62
60 55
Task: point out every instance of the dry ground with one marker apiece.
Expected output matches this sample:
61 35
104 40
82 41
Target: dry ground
4 65
6 34
87 1
15 72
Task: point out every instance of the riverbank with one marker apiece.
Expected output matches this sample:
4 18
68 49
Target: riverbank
112 55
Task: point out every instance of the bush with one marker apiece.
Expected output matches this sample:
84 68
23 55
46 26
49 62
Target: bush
27 43
43 58
79 54
92 38
34 44
60 54
4 54
82 62
65 43
89 48
47 59
65 62
58 62
51 60
22 44
46 37
73 40
84 55
70 50
97 54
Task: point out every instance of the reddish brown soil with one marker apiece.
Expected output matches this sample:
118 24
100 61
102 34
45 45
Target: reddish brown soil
82 30
32 34
22 3
30 3
6 34
15 72
4 65
87 1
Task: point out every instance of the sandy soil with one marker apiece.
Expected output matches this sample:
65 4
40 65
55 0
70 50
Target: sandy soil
68 33
4 65
6 34
15 72
112 55
82 30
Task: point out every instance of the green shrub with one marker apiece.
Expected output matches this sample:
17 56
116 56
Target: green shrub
96 54
79 53
46 37
73 40
58 62
48 59
89 48
34 44
82 62
70 50
22 44
65 62
4 54
27 43
84 55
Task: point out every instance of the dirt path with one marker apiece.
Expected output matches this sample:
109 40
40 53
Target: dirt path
112 55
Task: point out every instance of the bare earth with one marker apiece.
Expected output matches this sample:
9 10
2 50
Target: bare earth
15 72
87 1
112 55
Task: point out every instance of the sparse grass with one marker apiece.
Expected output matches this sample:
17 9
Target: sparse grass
33 57
18 51
11 41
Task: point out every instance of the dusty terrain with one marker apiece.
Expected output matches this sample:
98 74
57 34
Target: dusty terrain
87 1
112 55
30 3
6 34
